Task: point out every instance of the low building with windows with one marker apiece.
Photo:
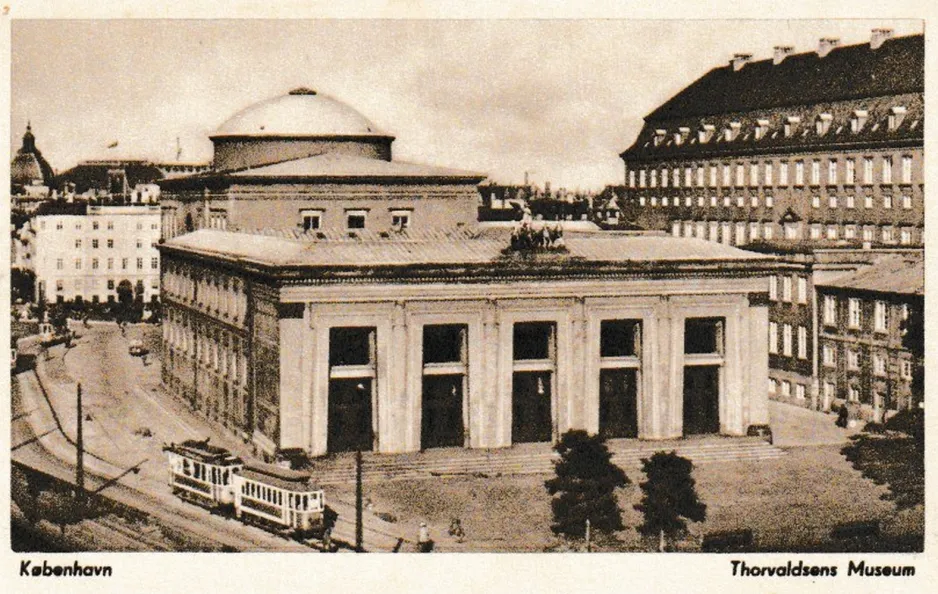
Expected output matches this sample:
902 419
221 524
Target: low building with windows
862 357
340 341
82 252
305 161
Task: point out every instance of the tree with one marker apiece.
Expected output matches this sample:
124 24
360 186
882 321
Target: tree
669 497
584 486
913 340
22 285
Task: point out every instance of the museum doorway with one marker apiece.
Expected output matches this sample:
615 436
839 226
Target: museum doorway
618 403
531 407
442 414
350 415
701 399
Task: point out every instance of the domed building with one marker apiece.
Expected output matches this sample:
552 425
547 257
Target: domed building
305 161
29 168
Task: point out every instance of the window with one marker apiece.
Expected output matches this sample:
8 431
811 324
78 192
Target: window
700 201
887 235
726 200
906 201
355 219
815 172
853 394
110 284
641 201
800 391
713 201
773 288
59 285
703 336
676 178
769 201
868 233
879 364
59 264
77 244
754 231
110 225
713 176
400 219
832 172
905 236
139 226
740 174
851 171
619 338
786 340
802 289
887 170
124 263
879 316
154 263
110 243
77 263
786 388
768 174
688 178
654 201
850 201
853 313
110 263
632 178
832 201
850 231
700 176
139 243
786 288
802 342
907 169
829 356
768 230
868 170
664 201
139 263
815 202
753 174
664 178
641 178
832 232
773 338
815 231
887 201
688 201
828 391
830 310
905 369
773 386
94 263
58 225
726 175
654 178
868 201
754 201
853 360
311 219
783 173
799 173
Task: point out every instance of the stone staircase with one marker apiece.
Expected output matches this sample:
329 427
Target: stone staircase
530 459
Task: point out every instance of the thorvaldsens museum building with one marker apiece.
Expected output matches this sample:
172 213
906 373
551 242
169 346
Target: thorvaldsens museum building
320 295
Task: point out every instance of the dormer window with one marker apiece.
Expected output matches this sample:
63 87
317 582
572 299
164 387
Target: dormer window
659 136
705 133
355 218
762 126
731 131
896 115
823 123
401 218
311 219
791 124
681 135
858 120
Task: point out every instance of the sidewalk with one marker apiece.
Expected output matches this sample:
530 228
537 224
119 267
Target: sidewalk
794 426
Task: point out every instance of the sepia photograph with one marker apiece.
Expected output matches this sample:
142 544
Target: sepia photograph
468 286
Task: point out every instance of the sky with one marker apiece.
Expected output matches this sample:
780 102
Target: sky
558 99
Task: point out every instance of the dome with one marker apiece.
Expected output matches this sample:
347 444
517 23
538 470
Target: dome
29 166
300 113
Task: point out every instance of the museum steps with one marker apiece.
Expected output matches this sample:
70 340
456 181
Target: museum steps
530 459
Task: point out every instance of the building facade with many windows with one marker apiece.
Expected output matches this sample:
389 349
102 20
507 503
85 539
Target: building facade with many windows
452 339
81 252
862 357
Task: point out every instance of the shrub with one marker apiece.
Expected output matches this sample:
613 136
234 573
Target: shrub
584 486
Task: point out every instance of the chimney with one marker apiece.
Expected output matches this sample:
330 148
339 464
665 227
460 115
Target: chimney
780 53
740 60
879 36
826 44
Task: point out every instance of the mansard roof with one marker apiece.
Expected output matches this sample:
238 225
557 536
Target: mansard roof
850 72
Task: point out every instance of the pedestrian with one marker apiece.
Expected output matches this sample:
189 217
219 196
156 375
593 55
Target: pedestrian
424 544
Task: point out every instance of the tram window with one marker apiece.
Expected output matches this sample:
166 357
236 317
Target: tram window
186 468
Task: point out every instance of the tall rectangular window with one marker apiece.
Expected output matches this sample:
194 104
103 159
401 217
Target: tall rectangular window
815 172
868 170
740 174
830 310
832 172
753 174
726 175
907 169
799 173
786 340
829 357
688 179
879 317
786 288
851 171
887 169
783 173
352 373
768 174
700 175
653 182
773 288
631 178
802 290
641 178
802 342
713 176
445 366
664 178
773 338
854 316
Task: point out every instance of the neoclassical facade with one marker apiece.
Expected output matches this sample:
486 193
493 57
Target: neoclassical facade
450 340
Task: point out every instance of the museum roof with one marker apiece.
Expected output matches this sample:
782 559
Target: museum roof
895 275
300 113
466 246
854 71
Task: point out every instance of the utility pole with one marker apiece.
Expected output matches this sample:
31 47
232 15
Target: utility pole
80 455
359 527
589 543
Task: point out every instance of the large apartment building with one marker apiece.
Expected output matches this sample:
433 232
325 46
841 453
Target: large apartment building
798 154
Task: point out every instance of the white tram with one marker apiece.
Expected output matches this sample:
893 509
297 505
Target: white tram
202 473
258 493
279 496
